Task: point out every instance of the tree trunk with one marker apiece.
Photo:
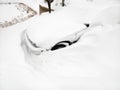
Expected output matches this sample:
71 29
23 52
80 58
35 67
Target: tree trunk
49 5
63 3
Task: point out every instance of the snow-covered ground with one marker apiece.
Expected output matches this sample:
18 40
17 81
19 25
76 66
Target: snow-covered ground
93 63
19 12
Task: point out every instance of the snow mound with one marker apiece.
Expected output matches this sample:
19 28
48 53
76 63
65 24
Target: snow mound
110 15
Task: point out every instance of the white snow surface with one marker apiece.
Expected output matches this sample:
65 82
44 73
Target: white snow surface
93 63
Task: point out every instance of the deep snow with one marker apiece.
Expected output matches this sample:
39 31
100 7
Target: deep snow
90 64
